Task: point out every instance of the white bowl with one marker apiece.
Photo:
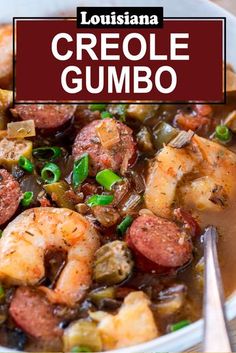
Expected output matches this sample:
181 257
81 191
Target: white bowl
192 334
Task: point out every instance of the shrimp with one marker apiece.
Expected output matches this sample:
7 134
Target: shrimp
26 239
199 176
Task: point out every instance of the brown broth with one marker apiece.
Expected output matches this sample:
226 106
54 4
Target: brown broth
153 283
226 243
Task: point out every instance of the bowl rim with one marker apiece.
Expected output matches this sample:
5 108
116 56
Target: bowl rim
171 342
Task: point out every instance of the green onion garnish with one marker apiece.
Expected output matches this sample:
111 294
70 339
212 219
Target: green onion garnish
26 164
47 153
179 325
27 198
78 349
80 170
99 200
122 227
107 178
2 293
50 173
105 115
223 133
1 233
99 107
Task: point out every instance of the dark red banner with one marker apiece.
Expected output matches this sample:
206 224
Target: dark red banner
56 61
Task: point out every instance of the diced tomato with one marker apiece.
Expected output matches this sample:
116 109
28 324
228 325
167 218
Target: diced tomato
199 118
203 109
189 122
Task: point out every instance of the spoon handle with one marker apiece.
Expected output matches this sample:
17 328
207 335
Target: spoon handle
216 338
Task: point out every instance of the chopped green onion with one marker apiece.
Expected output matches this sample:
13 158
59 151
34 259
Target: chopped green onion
47 153
107 178
1 233
179 325
26 164
2 293
99 107
122 227
27 198
223 133
99 200
80 170
105 115
78 349
50 173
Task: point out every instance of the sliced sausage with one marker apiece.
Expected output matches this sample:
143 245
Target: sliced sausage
117 157
160 241
34 315
10 194
6 50
45 116
143 264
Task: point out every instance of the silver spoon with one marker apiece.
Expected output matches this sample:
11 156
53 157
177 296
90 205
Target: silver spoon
216 337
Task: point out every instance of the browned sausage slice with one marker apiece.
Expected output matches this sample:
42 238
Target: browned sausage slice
160 241
9 196
34 315
45 116
118 157
143 263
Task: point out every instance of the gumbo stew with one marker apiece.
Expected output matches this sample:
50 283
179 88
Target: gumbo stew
102 208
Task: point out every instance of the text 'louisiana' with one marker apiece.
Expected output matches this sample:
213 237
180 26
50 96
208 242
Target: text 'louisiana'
114 19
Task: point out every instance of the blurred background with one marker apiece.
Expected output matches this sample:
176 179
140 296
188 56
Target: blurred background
11 8
229 5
